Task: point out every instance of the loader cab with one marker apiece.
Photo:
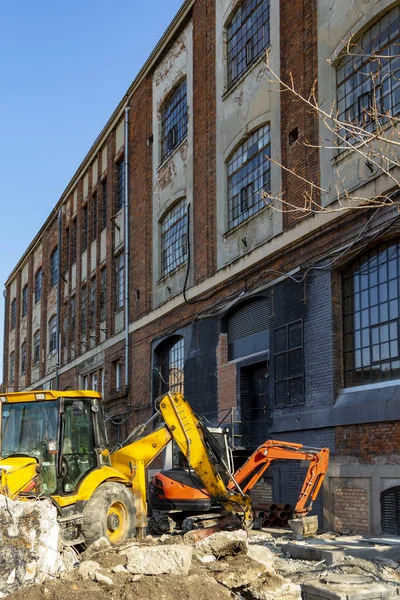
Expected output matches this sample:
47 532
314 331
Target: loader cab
63 431
174 459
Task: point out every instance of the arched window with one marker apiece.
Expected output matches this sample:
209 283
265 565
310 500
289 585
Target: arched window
249 176
174 120
368 77
174 238
247 36
169 363
371 317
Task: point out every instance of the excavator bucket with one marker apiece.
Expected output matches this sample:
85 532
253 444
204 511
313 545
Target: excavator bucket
304 526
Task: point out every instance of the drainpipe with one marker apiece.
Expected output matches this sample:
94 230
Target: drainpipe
126 248
58 349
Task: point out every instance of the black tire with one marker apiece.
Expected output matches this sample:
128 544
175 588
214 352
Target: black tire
110 513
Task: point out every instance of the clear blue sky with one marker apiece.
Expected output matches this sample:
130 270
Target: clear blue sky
64 66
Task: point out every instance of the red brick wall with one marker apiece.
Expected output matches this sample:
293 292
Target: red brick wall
368 441
298 23
204 158
226 378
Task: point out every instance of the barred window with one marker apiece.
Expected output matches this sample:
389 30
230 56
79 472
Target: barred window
171 361
247 36
371 317
13 316
248 176
103 294
38 285
368 77
24 301
36 347
174 120
174 238
120 185
94 218
12 367
83 308
93 303
23 358
54 267
119 281
53 334
84 227
103 204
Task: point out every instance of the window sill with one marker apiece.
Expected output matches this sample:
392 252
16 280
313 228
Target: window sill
165 277
172 153
234 230
228 90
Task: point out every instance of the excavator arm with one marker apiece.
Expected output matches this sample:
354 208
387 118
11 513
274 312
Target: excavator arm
253 469
182 425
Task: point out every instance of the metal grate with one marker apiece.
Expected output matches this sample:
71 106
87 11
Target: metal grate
369 77
174 238
251 318
371 317
390 511
174 120
248 176
247 36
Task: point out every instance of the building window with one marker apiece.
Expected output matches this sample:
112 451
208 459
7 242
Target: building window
84 227
73 242
93 297
83 308
66 246
368 77
38 285
249 176
104 204
24 308
247 36
36 347
12 367
119 281
288 365
73 316
103 294
54 267
174 238
120 185
94 218
85 382
174 120
170 360
53 334
118 375
23 358
13 318
371 317
94 382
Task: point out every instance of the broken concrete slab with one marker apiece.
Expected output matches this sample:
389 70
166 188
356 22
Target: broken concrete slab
347 579
98 546
223 543
29 544
374 591
263 555
238 571
329 554
272 587
158 560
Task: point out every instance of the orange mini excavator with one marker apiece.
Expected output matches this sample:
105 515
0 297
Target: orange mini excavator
181 490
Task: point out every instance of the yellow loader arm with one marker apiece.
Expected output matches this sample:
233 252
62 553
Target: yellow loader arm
182 425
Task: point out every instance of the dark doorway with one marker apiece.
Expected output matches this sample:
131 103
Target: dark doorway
390 511
255 409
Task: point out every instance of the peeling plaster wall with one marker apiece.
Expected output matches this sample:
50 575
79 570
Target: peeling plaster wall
246 106
173 179
338 20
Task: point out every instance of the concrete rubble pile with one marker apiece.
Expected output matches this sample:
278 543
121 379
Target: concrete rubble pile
172 567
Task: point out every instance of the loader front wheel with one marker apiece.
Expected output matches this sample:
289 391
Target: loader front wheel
110 513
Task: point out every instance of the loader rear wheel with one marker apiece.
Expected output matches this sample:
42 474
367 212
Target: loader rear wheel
110 513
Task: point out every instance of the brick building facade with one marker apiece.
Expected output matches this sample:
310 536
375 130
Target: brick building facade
163 267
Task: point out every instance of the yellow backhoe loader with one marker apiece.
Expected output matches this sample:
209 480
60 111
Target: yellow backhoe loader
54 444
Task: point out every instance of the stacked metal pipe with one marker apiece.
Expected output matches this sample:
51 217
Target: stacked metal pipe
273 515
